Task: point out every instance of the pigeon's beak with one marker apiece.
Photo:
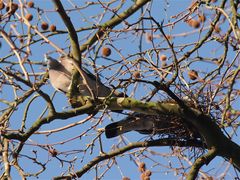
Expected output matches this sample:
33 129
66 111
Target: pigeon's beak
47 60
44 63
46 57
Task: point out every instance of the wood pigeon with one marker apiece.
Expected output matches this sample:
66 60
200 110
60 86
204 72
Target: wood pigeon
162 124
60 75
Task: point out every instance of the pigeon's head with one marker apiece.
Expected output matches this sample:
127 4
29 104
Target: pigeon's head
51 62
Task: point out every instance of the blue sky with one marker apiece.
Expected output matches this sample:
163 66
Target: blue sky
127 44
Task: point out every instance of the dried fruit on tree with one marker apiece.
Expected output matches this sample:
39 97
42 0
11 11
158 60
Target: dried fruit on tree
106 51
193 75
163 57
137 74
194 23
30 4
44 26
148 173
142 167
53 28
29 17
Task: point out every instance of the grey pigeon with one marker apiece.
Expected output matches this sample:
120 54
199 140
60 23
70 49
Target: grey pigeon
60 75
161 124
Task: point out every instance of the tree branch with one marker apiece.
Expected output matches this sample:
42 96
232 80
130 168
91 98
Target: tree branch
159 142
71 30
113 22
205 159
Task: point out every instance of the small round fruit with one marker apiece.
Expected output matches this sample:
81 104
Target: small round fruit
137 74
29 17
14 7
44 26
144 177
148 173
193 75
194 23
2 6
30 4
125 178
53 28
106 51
142 167
228 114
163 57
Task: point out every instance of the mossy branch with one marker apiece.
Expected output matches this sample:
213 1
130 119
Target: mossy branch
204 124
71 30
205 159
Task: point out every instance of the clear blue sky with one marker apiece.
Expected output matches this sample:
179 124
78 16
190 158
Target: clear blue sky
128 45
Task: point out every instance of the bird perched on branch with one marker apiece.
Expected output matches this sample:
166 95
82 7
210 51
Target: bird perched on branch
60 75
162 124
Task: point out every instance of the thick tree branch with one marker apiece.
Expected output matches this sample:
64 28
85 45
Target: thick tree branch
205 159
71 30
205 125
74 43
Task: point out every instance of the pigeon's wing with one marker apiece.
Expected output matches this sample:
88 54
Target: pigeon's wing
91 76
67 62
94 83
59 77
161 124
59 80
101 89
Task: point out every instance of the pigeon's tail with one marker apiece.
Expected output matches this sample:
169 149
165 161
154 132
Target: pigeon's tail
135 122
115 129
130 123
